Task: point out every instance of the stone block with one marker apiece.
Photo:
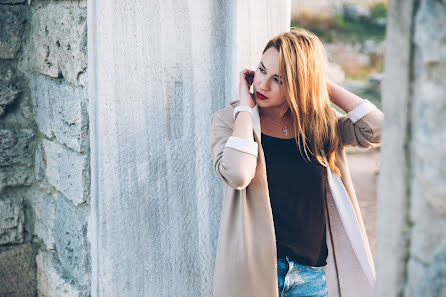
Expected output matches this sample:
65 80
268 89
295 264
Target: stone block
9 91
16 147
429 104
16 157
8 94
71 239
430 15
41 105
434 284
15 102
61 110
427 279
67 171
58 40
43 206
8 73
15 176
12 219
428 227
39 157
12 24
50 278
17 271
416 272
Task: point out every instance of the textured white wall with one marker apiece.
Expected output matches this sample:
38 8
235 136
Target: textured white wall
157 71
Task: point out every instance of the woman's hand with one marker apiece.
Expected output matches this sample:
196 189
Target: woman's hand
246 80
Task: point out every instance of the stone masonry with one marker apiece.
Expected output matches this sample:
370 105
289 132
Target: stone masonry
17 141
44 149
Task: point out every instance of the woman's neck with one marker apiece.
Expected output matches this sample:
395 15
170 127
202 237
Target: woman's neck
276 113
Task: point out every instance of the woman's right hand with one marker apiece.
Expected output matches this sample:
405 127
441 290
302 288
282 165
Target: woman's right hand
246 80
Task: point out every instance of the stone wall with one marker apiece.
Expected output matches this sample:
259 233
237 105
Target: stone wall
18 138
44 153
411 225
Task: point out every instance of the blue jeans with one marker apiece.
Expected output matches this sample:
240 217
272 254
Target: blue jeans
300 280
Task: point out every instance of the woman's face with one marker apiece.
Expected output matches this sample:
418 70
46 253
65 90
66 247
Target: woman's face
268 88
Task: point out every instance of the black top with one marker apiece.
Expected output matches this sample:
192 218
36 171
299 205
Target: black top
297 193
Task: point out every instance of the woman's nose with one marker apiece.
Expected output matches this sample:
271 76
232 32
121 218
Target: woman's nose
264 85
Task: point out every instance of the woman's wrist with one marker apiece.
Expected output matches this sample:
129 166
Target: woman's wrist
243 126
248 101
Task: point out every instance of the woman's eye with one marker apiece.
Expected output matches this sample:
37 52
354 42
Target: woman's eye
261 70
277 80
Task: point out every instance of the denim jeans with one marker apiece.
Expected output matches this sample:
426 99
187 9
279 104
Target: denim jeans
300 280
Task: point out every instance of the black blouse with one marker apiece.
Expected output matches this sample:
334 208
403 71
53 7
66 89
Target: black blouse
297 193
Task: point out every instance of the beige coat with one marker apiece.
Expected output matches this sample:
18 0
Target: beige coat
246 259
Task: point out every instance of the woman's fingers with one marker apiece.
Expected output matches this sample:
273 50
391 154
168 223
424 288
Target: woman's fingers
247 76
246 80
250 78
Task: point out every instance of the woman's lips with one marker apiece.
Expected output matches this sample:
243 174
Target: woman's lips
261 96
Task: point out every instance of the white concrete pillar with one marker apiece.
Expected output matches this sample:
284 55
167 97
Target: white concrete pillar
157 71
411 225
392 210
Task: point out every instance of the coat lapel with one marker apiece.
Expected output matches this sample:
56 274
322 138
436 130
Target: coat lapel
349 221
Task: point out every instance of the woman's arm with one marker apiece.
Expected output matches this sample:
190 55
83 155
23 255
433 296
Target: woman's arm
342 97
243 122
234 158
362 124
234 151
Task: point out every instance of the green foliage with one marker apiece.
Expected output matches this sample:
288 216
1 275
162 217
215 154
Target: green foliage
371 95
339 28
378 10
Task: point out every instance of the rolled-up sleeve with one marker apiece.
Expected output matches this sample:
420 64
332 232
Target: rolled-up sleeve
362 126
234 158
360 111
243 145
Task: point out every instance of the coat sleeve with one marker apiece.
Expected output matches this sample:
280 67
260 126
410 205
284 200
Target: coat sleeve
362 126
234 158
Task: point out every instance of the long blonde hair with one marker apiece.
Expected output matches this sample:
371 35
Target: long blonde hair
303 65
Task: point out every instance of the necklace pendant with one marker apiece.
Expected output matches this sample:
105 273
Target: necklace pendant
285 131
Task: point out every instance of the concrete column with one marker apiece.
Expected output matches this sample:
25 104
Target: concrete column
393 185
411 225
157 71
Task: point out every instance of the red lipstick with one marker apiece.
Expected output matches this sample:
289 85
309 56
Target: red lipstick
261 96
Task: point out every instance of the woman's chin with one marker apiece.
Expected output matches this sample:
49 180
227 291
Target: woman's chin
264 102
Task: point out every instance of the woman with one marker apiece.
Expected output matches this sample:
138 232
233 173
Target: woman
290 223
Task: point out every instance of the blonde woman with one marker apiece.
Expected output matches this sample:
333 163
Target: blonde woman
290 223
